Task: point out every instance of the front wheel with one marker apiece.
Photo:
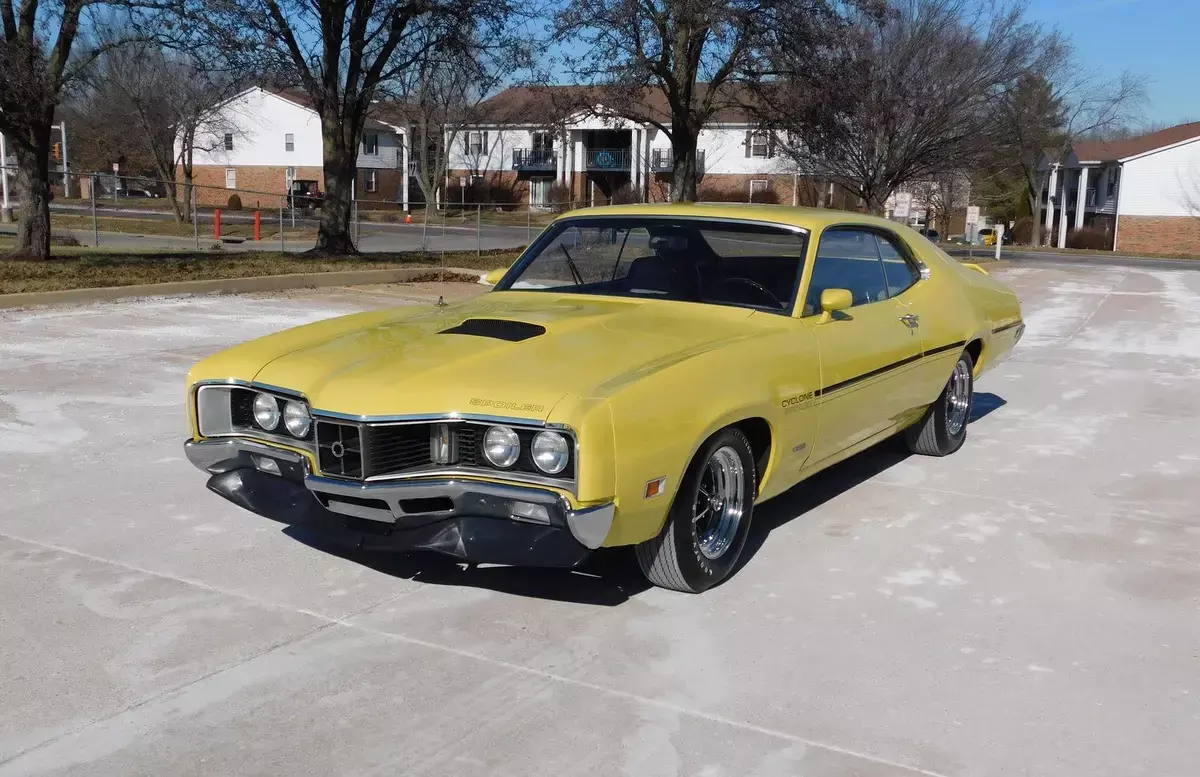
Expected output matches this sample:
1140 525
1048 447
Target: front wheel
943 429
708 522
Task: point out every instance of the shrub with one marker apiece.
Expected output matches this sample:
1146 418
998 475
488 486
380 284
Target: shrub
1023 230
766 197
713 193
235 202
559 197
624 196
1089 238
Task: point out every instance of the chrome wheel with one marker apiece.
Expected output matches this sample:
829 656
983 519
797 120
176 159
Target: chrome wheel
717 511
958 398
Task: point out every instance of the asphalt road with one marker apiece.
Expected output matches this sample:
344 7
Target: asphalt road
1026 606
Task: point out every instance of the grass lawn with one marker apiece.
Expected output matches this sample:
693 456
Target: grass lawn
270 227
86 268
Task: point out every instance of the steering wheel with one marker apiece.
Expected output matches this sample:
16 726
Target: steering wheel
759 288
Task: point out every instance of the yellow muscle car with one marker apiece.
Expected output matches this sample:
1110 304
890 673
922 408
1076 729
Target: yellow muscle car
643 375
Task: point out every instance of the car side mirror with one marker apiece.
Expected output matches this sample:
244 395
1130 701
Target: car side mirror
833 300
493 277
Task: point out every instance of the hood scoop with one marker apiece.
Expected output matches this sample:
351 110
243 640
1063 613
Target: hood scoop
496 328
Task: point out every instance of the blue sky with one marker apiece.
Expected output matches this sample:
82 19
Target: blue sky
1155 38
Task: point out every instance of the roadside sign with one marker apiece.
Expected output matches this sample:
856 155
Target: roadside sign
903 205
462 182
116 167
972 214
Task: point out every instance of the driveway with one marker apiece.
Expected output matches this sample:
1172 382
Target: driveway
1027 606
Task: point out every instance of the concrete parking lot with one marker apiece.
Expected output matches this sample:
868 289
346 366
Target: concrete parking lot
1030 605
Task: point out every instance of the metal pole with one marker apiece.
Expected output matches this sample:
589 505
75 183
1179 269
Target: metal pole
95 225
282 246
195 218
529 224
478 229
1000 237
4 169
66 165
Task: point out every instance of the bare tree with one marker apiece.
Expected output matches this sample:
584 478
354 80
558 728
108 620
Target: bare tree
38 63
1057 104
923 83
340 52
673 64
173 101
943 195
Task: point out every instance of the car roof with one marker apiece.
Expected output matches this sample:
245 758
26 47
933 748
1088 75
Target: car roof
811 219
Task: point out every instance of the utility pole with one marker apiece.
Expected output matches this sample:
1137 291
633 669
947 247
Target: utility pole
62 128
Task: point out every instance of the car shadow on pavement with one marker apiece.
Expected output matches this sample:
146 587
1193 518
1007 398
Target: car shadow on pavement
823 486
607 578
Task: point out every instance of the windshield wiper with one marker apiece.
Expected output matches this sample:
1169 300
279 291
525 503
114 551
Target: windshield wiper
571 264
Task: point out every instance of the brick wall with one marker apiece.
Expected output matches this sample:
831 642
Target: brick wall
259 186
1159 234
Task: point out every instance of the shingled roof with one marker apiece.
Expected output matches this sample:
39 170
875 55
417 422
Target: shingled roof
1110 151
550 104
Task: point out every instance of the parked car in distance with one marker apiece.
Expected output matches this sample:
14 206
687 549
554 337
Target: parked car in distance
987 236
136 193
931 235
642 376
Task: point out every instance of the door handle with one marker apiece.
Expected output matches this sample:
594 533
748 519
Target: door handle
911 321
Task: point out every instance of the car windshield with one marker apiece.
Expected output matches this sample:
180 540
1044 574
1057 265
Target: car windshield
692 260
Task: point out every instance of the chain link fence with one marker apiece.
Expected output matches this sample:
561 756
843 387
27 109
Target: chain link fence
111 211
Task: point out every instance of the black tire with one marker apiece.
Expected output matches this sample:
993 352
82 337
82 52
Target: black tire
674 559
934 434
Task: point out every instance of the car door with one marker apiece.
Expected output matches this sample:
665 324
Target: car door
865 350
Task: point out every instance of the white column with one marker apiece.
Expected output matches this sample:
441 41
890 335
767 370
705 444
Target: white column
1050 192
1081 200
1062 213
561 156
405 144
66 162
4 169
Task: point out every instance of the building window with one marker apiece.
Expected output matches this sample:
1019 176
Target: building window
756 186
371 144
229 141
289 142
543 141
370 181
759 145
1112 181
476 143
230 178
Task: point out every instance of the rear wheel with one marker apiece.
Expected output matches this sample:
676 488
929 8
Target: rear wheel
706 527
944 428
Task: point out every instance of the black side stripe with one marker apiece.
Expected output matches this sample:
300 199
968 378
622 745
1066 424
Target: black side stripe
1006 327
887 368
945 348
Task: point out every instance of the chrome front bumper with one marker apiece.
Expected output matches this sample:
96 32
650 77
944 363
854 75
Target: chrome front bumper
409 504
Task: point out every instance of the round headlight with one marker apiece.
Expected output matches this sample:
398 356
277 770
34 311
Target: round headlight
501 446
266 411
296 419
551 452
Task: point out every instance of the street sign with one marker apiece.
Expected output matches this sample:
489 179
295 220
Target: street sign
462 182
903 205
116 167
972 214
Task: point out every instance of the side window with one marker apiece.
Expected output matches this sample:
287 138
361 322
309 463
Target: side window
896 269
847 259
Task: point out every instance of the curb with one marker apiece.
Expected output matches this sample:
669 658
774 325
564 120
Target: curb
221 286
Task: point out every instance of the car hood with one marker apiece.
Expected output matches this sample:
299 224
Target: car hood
590 347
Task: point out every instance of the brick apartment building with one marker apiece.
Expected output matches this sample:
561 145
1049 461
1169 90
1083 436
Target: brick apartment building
262 145
531 138
1143 193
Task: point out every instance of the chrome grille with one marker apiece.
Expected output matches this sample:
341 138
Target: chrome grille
340 449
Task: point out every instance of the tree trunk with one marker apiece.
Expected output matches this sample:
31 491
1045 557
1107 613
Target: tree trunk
33 193
1036 200
333 234
683 176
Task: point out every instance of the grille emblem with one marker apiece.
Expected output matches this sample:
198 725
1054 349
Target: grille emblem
337 449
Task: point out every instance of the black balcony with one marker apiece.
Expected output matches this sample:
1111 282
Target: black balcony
662 160
534 159
607 159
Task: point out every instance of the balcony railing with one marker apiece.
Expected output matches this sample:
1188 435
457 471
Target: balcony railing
534 159
603 159
662 160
